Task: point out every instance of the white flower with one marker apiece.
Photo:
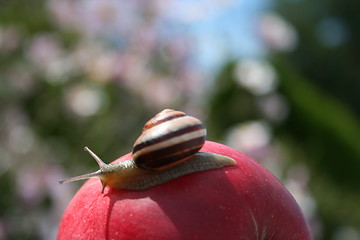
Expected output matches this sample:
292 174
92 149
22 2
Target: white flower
277 34
256 76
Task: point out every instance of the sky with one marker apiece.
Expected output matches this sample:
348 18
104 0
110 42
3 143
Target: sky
222 29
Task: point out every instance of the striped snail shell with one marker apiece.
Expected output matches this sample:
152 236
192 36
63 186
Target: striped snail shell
168 148
168 138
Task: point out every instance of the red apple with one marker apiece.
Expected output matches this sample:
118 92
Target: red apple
236 202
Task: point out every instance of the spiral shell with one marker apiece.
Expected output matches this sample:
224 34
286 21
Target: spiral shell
167 139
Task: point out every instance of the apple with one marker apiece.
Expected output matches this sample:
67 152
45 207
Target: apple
237 202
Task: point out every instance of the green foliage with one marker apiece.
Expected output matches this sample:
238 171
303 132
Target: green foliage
324 125
330 63
29 14
229 104
328 133
321 81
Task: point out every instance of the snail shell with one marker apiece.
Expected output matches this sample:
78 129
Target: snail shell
167 139
167 149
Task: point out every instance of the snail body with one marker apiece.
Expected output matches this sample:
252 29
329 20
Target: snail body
167 149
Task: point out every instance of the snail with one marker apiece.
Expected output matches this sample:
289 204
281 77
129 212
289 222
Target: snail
167 149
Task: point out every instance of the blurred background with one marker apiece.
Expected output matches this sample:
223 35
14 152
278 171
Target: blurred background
278 80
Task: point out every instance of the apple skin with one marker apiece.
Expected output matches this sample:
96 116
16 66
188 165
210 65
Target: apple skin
236 202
